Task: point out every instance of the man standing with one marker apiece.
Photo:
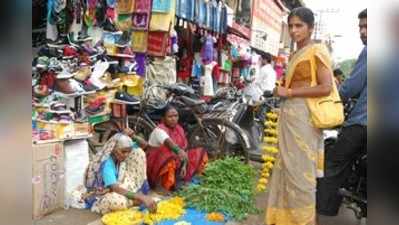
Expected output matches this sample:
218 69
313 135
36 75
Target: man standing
266 78
353 138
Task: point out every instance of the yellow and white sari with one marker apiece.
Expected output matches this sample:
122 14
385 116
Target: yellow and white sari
292 188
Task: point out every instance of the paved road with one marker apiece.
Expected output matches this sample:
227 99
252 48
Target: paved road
85 217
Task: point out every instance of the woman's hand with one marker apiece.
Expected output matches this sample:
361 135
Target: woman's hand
149 203
129 132
280 91
184 158
183 170
183 155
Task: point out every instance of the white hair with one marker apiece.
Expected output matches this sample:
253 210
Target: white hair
123 141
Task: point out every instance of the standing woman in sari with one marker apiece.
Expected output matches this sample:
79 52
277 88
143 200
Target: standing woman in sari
292 188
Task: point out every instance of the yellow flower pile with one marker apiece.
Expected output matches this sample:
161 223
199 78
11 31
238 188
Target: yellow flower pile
270 149
125 217
170 209
217 217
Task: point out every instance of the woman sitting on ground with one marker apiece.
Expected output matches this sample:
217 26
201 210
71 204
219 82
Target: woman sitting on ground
169 161
116 177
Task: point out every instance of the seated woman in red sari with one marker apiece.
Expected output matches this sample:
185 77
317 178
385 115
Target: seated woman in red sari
168 159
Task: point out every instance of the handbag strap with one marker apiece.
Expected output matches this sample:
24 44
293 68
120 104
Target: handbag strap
313 69
313 72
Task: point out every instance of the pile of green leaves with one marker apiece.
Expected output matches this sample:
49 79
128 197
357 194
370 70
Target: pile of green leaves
227 186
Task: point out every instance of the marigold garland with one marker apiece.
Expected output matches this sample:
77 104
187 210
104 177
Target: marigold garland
270 149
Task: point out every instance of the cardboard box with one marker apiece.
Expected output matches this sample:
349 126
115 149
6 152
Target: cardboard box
47 178
59 130
81 129
76 162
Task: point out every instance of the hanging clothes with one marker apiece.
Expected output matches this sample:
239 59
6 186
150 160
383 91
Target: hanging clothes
186 9
139 41
209 15
163 21
185 67
124 6
208 82
162 6
214 21
124 22
142 6
233 4
218 17
157 43
141 20
207 51
223 22
200 12
162 71
140 59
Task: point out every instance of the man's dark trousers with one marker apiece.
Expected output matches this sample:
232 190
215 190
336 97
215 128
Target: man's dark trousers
338 160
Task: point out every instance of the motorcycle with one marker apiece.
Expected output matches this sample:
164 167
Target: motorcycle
354 190
250 117
202 131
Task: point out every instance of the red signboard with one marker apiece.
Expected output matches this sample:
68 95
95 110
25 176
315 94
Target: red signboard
268 13
241 30
236 40
157 43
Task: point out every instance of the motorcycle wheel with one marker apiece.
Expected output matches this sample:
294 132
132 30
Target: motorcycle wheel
213 136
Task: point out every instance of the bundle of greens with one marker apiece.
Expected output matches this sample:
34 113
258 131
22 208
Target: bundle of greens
226 186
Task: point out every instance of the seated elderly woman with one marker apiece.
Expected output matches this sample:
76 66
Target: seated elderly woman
117 177
169 160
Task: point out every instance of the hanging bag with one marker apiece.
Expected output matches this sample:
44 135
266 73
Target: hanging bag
326 111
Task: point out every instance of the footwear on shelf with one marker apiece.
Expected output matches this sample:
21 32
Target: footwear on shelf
124 98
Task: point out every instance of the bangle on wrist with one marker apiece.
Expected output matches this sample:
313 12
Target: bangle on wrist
129 195
135 139
289 92
176 149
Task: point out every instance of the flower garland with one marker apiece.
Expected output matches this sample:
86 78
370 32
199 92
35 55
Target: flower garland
270 149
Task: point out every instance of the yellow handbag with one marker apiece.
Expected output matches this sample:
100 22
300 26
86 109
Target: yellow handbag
327 111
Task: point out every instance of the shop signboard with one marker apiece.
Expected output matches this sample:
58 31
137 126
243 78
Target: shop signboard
266 26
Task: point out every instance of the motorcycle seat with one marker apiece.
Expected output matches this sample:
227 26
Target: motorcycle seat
192 102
